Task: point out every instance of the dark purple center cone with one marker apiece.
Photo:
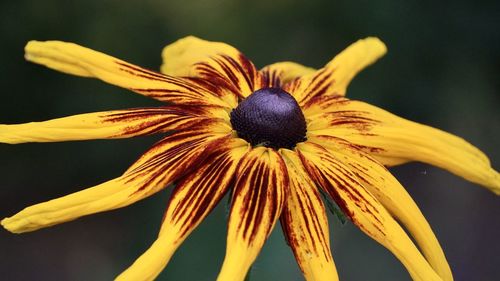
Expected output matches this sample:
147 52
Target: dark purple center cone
270 117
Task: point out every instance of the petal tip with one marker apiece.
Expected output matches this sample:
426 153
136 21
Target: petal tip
495 185
8 224
34 50
32 45
174 50
376 44
179 46
28 49
19 223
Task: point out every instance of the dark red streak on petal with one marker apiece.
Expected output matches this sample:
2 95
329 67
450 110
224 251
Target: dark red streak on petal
317 87
146 112
247 69
173 163
350 118
154 169
316 174
309 214
142 75
254 199
204 195
290 239
344 183
158 92
162 126
228 72
326 101
157 119
216 78
209 182
354 147
212 84
271 79
145 73
243 66
259 184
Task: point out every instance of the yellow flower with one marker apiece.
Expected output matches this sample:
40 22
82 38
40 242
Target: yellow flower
274 137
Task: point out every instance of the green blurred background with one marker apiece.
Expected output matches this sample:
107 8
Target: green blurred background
442 69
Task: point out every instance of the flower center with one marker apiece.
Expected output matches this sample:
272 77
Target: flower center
270 117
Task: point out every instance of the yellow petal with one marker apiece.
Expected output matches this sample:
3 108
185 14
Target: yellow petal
280 73
379 182
364 210
213 61
77 60
110 124
258 197
192 200
165 162
181 57
394 140
305 224
334 78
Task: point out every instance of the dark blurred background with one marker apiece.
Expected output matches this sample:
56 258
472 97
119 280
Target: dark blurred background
442 69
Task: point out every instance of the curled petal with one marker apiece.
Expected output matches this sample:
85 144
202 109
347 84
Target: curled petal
257 201
305 224
165 162
364 210
110 124
280 73
77 60
333 78
216 62
380 182
393 140
193 198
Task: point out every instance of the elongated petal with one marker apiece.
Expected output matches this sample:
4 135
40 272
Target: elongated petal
110 124
305 224
165 162
280 73
334 78
77 60
193 198
363 208
394 140
258 198
213 61
380 182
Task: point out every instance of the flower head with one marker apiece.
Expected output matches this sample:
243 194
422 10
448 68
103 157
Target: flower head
275 137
